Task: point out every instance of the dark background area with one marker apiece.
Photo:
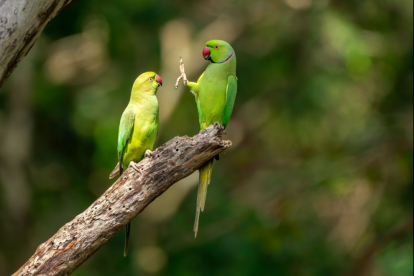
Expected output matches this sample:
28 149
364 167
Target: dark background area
319 180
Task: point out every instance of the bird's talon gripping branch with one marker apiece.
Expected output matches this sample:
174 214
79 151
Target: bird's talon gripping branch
135 167
148 154
183 75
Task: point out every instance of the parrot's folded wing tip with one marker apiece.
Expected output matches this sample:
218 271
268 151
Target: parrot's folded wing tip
115 172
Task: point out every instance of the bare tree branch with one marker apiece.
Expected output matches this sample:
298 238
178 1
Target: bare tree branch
21 23
76 241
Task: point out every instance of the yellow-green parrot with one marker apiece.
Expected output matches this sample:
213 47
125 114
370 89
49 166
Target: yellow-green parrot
215 94
138 128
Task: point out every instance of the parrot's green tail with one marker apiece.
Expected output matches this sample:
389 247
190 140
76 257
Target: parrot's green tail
205 178
127 232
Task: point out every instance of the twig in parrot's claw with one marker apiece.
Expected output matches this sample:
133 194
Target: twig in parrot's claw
183 72
178 80
183 75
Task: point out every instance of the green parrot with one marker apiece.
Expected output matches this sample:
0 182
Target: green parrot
215 94
138 128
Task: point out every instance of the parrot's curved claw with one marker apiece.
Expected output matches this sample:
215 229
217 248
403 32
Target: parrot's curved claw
135 167
148 154
183 75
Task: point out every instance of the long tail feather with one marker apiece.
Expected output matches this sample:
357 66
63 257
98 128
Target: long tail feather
116 172
127 232
205 179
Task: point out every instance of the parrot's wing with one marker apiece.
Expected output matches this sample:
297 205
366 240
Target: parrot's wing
126 129
231 94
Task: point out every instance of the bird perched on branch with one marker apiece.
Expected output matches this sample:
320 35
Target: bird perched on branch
138 128
215 94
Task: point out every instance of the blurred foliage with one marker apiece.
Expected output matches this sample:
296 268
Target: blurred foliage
322 164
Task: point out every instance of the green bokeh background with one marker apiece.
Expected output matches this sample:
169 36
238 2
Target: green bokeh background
321 172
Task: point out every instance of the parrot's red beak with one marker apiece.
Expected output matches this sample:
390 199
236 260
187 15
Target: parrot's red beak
206 53
159 80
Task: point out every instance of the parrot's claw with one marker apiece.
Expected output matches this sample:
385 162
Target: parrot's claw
183 75
148 154
135 167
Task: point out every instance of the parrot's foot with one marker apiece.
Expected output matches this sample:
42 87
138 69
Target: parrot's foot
148 154
183 75
135 167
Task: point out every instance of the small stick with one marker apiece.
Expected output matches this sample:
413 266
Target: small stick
183 75
178 81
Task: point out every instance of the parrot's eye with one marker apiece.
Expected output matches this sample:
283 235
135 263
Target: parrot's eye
150 79
217 47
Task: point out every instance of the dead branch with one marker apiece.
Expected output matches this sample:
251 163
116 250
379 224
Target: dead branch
21 23
76 241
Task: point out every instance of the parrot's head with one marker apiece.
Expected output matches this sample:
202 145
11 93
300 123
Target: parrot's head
147 83
218 51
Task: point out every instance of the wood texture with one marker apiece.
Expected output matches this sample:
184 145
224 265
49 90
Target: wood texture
21 23
76 241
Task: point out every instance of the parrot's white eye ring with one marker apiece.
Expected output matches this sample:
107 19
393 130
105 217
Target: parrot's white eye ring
150 79
217 47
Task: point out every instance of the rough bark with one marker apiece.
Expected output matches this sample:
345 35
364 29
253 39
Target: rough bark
76 241
21 23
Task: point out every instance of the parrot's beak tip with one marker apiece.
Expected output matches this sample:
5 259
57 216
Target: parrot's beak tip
159 80
207 53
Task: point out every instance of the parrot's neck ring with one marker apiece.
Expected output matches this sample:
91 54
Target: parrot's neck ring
227 60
